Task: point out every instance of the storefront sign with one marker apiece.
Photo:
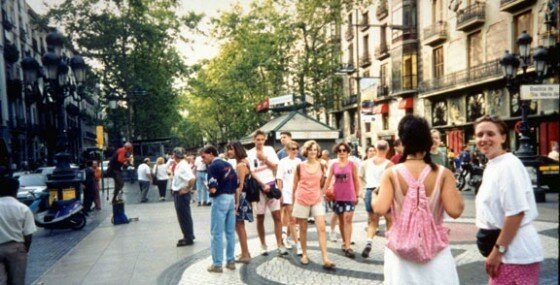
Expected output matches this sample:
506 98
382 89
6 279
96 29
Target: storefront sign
541 91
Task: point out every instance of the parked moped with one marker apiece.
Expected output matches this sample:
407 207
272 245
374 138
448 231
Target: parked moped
65 214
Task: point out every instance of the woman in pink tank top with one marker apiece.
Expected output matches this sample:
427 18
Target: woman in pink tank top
346 190
308 200
427 183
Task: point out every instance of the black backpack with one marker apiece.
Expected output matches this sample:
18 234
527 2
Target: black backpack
251 188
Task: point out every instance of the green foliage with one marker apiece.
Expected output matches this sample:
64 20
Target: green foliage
133 42
278 47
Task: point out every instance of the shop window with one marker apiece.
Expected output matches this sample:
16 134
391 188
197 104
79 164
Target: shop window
439 113
475 107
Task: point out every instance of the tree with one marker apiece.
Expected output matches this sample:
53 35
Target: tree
133 43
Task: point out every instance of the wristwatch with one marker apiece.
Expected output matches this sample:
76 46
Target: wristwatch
501 249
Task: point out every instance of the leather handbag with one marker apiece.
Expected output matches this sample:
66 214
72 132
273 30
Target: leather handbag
486 239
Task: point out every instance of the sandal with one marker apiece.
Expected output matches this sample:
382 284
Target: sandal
241 259
304 260
349 253
328 265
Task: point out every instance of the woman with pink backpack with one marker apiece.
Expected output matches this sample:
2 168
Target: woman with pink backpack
417 192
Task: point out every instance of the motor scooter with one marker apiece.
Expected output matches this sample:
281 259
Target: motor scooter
65 214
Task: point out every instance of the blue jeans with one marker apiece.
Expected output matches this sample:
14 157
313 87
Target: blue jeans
223 220
203 195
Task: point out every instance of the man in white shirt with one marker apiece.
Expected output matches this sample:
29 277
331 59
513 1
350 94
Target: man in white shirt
181 186
201 185
144 179
16 228
263 162
370 175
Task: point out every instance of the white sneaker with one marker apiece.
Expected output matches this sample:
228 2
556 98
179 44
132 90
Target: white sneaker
287 243
332 236
299 251
282 251
264 249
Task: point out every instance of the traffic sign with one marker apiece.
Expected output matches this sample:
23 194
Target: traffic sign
541 91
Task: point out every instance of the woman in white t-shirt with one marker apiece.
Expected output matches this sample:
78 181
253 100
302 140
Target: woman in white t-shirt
160 172
506 202
285 182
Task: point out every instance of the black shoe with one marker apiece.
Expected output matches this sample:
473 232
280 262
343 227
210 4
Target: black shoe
144 201
367 250
184 242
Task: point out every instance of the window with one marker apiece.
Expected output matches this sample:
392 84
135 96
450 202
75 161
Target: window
475 49
351 54
383 75
365 19
438 62
522 22
409 72
437 11
385 119
366 45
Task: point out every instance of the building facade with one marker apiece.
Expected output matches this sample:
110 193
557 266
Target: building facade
440 59
28 121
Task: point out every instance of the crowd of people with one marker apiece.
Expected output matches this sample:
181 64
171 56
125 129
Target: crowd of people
413 190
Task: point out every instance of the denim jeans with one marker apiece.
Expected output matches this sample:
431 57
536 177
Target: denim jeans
144 189
223 220
201 188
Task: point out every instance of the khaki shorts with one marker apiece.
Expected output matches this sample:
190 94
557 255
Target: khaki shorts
264 202
304 212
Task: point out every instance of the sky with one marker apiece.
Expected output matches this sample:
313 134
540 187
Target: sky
202 48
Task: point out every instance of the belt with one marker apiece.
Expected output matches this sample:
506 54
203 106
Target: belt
201 171
371 189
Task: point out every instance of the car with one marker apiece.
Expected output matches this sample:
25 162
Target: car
19 173
31 183
48 170
550 173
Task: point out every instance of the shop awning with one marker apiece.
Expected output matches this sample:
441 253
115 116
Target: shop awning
381 108
406 103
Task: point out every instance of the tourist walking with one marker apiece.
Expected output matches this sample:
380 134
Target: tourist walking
17 226
222 185
285 182
505 210
370 173
161 177
327 162
243 208
144 179
346 189
418 192
307 196
264 162
398 151
98 176
181 186
437 156
201 186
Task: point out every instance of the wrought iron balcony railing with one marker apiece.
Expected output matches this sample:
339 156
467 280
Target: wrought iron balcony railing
472 17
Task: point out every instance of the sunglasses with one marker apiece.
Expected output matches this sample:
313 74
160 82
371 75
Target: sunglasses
342 150
294 148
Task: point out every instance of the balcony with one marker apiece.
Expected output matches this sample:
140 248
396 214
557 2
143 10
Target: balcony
7 21
365 60
472 17
350 100
435 33
463 78
382 91
512 6
382 52
349 35
22 34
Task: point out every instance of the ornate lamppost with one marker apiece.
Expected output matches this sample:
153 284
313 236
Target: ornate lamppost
510 63
58 87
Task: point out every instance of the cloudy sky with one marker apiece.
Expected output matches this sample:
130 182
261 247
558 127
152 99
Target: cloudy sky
202 47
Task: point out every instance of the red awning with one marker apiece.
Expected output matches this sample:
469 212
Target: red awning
381 109
406 103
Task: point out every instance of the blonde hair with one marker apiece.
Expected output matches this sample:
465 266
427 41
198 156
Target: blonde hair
291 144
308 145
160 160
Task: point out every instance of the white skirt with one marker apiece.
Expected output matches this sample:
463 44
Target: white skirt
440 270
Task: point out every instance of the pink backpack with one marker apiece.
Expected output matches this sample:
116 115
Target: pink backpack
415 236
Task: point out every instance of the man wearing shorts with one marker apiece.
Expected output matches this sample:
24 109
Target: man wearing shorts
263 162
370 174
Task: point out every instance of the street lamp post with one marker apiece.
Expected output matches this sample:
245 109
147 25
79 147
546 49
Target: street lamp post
510 63
57 88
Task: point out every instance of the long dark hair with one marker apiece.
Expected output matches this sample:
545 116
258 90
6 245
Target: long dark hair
238 150
415 136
